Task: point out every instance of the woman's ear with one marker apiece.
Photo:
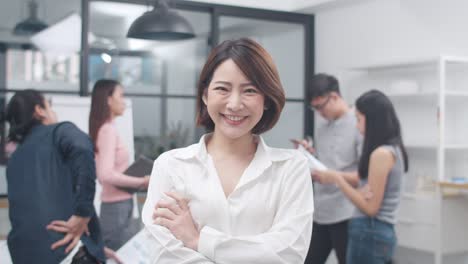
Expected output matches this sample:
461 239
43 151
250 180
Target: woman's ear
266 106
204 96
334 95
39 112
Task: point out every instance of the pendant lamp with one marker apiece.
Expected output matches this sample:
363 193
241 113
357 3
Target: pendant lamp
161 23
31 24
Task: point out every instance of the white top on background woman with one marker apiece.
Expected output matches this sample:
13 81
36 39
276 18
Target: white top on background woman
231 198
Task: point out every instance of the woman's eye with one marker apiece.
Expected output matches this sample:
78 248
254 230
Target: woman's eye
251 90
220 88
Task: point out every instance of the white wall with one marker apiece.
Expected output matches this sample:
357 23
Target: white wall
375 31
369 32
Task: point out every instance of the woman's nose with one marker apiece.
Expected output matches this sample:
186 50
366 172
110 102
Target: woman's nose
235 102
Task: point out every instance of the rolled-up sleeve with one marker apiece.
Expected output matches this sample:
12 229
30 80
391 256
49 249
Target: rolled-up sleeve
287 241
167 249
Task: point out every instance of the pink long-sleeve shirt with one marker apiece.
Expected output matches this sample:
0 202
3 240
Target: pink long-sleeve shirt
112 160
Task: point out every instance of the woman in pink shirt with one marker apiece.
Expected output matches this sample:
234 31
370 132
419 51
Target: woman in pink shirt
112 158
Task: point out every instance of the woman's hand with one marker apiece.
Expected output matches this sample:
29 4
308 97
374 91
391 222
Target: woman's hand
178 219
144 185
326 176
110 254
307 144
74 228
366 192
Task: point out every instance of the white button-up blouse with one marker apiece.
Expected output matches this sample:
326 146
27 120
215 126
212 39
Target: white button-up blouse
266 219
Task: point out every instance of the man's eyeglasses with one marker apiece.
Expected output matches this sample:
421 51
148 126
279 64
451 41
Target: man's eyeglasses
320 106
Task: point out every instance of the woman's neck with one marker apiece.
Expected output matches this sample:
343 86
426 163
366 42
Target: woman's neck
111 118
222 146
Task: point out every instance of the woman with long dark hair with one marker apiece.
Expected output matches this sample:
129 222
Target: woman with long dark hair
51 180
112 158
371 235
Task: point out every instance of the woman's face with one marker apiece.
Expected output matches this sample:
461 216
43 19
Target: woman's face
45 114
361 122
117 102
234 104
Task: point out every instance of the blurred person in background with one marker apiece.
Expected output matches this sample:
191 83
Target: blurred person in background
337 145
112 159
371 233
51 184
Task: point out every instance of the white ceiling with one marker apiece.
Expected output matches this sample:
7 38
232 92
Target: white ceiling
281 5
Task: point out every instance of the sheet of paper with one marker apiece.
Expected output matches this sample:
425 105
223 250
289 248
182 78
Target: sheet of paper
4 253
314 163
69 257
137 249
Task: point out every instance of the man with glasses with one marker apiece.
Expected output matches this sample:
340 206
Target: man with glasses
337 145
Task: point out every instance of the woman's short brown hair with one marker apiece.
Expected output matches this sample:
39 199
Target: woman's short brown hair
258 66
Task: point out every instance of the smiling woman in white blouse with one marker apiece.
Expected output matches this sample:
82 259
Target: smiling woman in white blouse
231 198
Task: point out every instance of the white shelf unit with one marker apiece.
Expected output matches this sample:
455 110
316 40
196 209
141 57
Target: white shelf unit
435 132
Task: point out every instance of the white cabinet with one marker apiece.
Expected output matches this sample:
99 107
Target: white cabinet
431 100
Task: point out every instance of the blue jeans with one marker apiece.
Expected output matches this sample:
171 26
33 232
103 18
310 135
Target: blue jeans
370 241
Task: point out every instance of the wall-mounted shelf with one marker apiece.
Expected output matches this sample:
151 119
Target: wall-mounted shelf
454 185
392 65
411 63
430 94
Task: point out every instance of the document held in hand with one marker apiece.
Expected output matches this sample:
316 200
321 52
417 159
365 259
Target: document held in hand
314 163
139 249
140 168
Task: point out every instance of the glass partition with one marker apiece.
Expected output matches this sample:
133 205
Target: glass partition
160 77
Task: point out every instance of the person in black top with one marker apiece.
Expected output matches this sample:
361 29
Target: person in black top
51 184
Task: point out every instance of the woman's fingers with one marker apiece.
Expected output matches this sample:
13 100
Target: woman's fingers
170 205
72 244
110 254
58 223
60 229
366 192
183 203
163 222
168 208
65 240
165 210
164 213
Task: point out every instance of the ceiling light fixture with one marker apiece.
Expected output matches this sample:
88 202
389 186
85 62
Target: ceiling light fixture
30 25
161 23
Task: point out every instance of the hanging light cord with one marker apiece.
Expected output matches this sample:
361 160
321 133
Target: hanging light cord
148 5
163 3
45 9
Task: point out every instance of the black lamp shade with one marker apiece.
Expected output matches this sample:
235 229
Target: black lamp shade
161 24
28 27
